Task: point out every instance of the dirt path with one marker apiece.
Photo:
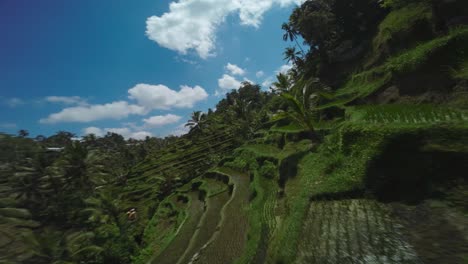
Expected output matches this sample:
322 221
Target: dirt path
228 242
176 248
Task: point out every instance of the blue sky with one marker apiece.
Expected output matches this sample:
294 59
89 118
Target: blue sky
133 67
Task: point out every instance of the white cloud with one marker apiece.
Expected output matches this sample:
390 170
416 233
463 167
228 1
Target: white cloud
248 80
162 120
192 24
161 97
227 83
114 110
180 130
267 82
284 69
234 69
259 74
69 100
14 102
124 131
93 130
270 79
140 135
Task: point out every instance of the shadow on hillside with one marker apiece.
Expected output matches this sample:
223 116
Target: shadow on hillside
408 172
427 192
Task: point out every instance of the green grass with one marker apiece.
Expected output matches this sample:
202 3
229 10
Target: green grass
401 21
161 229
260 216
365 83
339 166
291 128
213 187
261 150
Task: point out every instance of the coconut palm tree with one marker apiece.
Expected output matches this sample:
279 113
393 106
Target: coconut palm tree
282 83
26 183
291 35
197 121
291 55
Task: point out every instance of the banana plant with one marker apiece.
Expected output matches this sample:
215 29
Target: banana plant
302 98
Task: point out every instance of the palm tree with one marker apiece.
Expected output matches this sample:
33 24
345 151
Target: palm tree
23 133
291 55
282 84
301 99
197 121
290 34
103 208
26 183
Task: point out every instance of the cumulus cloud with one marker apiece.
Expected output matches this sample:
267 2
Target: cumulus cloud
284 69
267 82
192 24
69 100
180 130
259 74
124 131
161 97
227 83
234 69
147 97
114 110
161 120
93 130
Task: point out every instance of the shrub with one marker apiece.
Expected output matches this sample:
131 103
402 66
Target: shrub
269 170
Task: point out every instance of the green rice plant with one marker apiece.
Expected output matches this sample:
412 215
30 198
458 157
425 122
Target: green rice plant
405 114
161 229
261 216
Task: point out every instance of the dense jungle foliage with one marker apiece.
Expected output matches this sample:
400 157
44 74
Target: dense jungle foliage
358 154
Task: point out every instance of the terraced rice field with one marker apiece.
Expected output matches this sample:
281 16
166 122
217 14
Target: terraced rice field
229 240
207 226
353 231
176 248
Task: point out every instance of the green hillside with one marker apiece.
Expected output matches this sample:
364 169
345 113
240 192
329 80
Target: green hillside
359 154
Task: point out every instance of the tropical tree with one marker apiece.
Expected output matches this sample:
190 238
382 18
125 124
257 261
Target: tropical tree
40 138
23 133
60 139
282 83
291 55
197 121
291 35
25 183
302 98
